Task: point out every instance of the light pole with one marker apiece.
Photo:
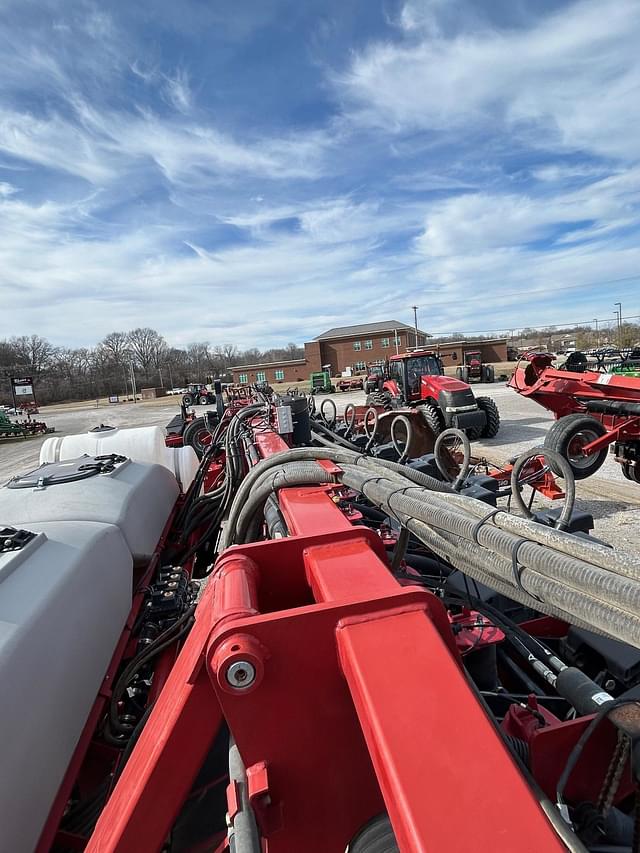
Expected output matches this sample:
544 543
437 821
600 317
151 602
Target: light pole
415 321
133 383
619 315
597 334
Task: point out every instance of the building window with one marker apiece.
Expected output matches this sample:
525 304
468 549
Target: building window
279 375
359 365
368 344
261 376
357 346
385 343
243 379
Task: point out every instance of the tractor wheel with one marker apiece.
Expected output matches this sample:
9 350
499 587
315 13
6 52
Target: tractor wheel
379 398
188 399
458 373
488 373
197 435
493 417
569 435
376 837
631 472
433 418
203 400
464 374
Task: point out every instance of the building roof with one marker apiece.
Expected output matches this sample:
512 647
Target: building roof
368 328
283 363
466 342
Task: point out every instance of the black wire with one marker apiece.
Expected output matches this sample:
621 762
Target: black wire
577 750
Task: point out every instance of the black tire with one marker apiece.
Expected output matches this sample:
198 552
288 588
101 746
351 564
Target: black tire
464 374
376 837
379 398
488 373
631 472
203 400
197 435
565 437
432 417
490 409
188 399
332 389
458 373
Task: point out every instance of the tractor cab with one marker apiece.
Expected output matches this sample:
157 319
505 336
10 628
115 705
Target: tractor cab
417 379
409 373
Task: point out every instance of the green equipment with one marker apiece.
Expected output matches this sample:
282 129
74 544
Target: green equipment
321 383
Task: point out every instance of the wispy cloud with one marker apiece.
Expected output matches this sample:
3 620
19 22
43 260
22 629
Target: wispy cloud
221 176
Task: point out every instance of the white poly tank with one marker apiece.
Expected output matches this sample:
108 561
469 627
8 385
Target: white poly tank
64 599
141 444
135 497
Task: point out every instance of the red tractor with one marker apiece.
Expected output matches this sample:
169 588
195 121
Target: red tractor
593 410
417 379
474 370
375 378
198 395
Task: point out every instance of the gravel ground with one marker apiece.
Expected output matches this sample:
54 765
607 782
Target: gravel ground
613 501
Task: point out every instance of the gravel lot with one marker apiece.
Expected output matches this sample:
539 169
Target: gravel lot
613 501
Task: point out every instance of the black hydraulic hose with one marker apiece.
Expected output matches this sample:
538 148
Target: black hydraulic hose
466 461
569 483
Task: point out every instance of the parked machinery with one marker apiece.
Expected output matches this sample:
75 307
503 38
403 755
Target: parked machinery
320 383
474 369
22 428
417 379
383 658
198 395
593 410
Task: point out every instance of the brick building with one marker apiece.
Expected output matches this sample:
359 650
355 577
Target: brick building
355 347
336 350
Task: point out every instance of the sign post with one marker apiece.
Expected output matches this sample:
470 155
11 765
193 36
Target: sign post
23 394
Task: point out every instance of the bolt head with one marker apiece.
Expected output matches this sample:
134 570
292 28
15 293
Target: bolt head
241 674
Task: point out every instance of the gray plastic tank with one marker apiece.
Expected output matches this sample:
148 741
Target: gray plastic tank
64 599
134 496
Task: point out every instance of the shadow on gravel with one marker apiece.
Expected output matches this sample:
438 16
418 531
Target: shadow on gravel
512 431
604 509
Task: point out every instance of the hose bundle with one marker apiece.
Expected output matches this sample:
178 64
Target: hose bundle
575 579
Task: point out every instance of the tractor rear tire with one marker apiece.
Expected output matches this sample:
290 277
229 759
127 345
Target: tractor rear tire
571 432
464 374
458 373
432 417
376 837
379 398
197 435
203 400
488 373
490 409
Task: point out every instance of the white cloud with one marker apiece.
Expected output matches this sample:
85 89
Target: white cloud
177 91
571 77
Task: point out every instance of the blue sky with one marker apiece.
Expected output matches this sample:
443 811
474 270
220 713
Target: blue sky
256 172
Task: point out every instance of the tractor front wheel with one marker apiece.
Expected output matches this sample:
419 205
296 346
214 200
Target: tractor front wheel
379 398
432 417
188 399
569 435
487 405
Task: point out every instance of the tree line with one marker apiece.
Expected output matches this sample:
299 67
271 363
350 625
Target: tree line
67 374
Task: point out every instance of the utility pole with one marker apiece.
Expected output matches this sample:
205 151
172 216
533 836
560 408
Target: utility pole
397 344
619 315
415 321
597 334
133 383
